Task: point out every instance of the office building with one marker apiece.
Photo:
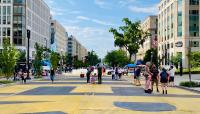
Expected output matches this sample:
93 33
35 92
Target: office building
149 25
58 37
18 16
178 24
76 49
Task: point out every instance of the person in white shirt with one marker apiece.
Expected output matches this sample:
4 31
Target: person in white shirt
172 74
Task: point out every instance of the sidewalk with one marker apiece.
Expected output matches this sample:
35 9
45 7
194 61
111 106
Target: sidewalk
195 78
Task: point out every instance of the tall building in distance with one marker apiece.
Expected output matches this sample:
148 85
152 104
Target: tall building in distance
178 24
18 16
58 37
150 26
76 49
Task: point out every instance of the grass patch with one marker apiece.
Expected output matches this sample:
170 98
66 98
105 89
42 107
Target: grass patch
5 81
190 84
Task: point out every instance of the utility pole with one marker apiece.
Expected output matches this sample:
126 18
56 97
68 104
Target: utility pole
28 66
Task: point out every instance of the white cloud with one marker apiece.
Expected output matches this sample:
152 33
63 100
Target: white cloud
83 18
123 3
95 21
102 4
153 9
89 36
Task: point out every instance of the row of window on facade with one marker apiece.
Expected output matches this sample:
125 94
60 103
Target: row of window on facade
192 2
168 46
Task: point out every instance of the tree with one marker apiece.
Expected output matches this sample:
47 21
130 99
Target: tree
195 59
54 58
131 36
8 57
176 60
116 58
151 54
37 63
92 59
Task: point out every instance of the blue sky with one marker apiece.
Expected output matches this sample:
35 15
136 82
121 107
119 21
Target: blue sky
90 20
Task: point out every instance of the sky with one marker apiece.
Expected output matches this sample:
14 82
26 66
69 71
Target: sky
90 20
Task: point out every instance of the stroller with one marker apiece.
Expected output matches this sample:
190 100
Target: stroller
93 79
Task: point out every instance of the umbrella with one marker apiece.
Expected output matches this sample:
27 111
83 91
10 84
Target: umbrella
131 65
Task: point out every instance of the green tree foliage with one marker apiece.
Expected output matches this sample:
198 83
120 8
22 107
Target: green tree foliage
92 59
55 58
79 64
176 59
195 59
116 58
8 58
22 56
154 56
130 37
37 63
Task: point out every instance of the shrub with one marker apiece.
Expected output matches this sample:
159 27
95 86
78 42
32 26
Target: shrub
193 71
190 84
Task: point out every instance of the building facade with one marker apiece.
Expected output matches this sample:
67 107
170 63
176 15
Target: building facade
58 37
76 49
150 26
18 16
178 24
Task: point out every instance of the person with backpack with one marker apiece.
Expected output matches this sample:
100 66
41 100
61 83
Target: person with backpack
137 76
155 76
164 79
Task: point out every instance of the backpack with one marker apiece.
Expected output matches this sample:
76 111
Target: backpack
163 75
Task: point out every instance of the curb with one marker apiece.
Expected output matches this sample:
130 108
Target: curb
189 89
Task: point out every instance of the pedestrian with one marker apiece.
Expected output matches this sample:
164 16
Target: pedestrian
116 73
113 73
137 76
99 74
24 77
88 75
52 74
147 75
172 74
92 76
120 73
155 76
164 78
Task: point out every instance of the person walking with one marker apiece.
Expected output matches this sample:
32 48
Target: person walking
99 74
164 78
147 75
113 73
155 76
137 76
120 73
52 74
88 75
116 73
172 74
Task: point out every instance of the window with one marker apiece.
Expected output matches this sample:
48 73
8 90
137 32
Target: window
195 44
8 31
4 31
194 2
4 10
8 19
172 45
194 23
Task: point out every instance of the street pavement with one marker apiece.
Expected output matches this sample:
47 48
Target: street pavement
71 95
195 77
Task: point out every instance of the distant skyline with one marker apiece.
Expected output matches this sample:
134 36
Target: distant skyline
90 20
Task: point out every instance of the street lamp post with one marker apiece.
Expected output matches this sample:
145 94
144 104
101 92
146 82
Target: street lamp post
28 67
